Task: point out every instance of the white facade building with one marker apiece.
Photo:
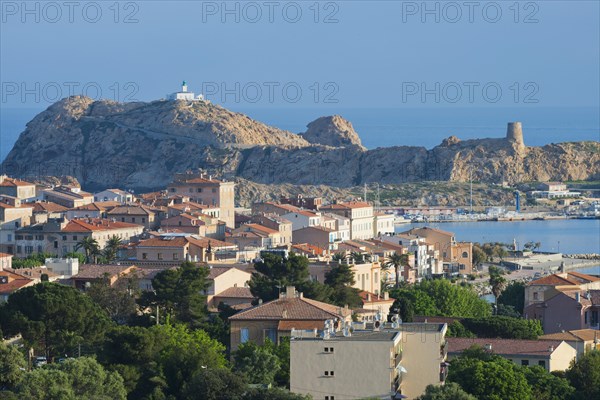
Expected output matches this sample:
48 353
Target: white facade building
184 94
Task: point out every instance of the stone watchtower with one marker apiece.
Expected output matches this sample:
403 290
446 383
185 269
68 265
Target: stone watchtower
514 134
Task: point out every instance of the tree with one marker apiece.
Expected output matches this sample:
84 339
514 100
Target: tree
81 378
54 318
77 255
180 290
449 391
119 299
404 307
493 379
546 386
513 295
497 281
341 278
479 256
584 376
457 329
274 272
504 327
111 248
12 365
215 384
90 247
396 261
273 394
257 363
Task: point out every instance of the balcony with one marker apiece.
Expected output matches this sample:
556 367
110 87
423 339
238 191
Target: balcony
397 358
443 371
444 350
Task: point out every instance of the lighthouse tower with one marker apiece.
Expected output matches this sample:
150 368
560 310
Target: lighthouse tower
184 94
514 134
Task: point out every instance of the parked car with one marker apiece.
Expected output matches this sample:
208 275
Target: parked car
39 361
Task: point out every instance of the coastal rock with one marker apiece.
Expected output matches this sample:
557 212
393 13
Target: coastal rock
142 145
332 131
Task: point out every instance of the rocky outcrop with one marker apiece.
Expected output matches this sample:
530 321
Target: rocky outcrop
142 145
333 131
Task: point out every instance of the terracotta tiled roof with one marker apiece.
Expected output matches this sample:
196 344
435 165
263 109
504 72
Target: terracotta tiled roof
96 271
204 241
309 248
259 228
374 298
427 228
131 210
554 280
15 282
95 224
47 206
195 180
5 255
236 292
98 206
12 182
583 278
347 205
297 308
505 346
164 241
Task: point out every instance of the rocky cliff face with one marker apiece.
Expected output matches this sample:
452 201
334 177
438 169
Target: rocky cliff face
142 145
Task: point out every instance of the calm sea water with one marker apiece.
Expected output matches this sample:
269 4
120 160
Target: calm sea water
574 236
380 127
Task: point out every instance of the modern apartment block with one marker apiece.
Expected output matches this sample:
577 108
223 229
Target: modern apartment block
387 361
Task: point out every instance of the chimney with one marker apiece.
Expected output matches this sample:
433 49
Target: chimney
369 297
551 349
386 296
290 292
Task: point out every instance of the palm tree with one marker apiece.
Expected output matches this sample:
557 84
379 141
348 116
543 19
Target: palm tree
111 248
396 261
497 282
339 257
90 247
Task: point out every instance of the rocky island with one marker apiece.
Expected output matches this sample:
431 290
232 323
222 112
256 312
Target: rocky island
142 145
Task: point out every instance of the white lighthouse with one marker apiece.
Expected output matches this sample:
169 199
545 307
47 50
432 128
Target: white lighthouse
184 94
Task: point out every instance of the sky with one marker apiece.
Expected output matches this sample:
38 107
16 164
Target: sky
291 54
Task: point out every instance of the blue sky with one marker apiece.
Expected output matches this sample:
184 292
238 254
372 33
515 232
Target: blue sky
337 53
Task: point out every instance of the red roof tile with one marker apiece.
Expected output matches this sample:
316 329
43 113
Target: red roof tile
505 346
96 224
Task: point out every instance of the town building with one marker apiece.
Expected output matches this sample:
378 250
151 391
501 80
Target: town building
92 273
196 224
310 203
5 261
582 340
276 319
134 214
61 236
222 279
68 196
117 195
256 236
552 355
269 207
10 282
318 236
360 215
177 248
22 190
387 361
566 310
277 223
565 281
98 209
383 224
303 219
206 190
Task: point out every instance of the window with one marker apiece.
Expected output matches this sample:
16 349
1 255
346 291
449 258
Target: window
56 244
214 190
19 237
244 335
159 256
191 190
328 349
535 295
542 363
173 190
28 249
75 238
9 237
465 254
28 237
19 249
585 317
329 373
175 256
132 219
271 334
122 219
64 238
39 237
329 397
39 249
199 190
143 220
144 256
524 363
